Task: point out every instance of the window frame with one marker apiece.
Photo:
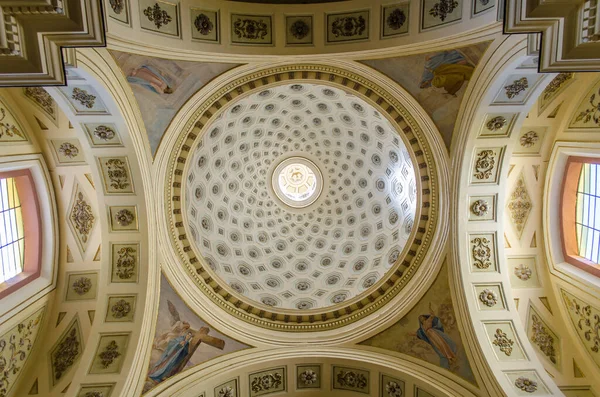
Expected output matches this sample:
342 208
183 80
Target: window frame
568 214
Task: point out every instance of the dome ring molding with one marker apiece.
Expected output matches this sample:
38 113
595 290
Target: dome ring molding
429 231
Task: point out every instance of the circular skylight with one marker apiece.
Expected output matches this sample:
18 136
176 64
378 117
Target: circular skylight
300 196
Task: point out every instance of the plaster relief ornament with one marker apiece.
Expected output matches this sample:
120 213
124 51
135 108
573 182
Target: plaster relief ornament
517 87
226 391
120 309
540 336
496 123
396 19
8 129
83 97
203 24
484 165
529 139
480 207
526 384
15 347
352 379
266 382
482 252
117 6
556 83
42 98
126 262
117 174
488 297
503 342
104 133
308 377
65 354
82 285
348 26
94 394
484 2
82 217
251 29
68 150
519 205
299 29
591 113
393 389
157 15
124 217
442 8
109 354
587 320
523 272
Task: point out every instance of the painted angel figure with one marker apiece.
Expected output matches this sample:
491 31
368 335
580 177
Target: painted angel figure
447 70
431 330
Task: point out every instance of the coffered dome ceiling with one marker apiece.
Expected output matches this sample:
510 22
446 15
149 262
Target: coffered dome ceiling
300 196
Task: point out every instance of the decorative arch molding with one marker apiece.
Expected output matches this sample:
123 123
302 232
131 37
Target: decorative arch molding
493 92
354 75
415 373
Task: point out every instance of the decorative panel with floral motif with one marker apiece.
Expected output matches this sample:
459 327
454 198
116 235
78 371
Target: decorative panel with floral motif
586 321
10 130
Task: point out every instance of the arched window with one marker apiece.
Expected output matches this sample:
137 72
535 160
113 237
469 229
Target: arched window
581 213
20 231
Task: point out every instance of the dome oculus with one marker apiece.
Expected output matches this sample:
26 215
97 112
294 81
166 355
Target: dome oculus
297 182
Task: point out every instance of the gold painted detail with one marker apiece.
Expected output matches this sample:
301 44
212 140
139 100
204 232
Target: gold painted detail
482 252
504 343
485 163
519 205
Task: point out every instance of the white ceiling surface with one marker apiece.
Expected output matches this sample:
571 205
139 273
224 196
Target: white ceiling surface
311 257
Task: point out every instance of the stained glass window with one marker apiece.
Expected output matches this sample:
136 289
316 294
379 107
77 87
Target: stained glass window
12 241
588 212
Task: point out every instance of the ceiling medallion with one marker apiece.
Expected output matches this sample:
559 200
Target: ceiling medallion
297 182
300 206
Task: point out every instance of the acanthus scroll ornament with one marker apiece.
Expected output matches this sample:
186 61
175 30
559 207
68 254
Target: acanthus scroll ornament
485 163
352 379
504 343
157 15
117 174
540 336
126 262
109 354
82 217
266 382
517 87
251 29
482 252
348 26
442 8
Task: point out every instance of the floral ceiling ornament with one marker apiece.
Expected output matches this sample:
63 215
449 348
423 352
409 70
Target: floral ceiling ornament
523 272
124 217
94 394
396 19
496 123
82 217
555 84
480 207
69 150
503 342
529 139
117 174
517 87
526 384
485 163
348 26
519 205
541 337
308 377
226 391
393 389
442 8
40 96
157 15
251 29
482 253
83 97
266 382
299 29
8 129
104 133
117 6
203 24
591 113
66 354
82 285
126 262
109 354
488 297
352 379
120 309
15 347
587 320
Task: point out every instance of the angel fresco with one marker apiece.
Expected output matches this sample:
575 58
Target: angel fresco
150 78
177 345
447 70
431 330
